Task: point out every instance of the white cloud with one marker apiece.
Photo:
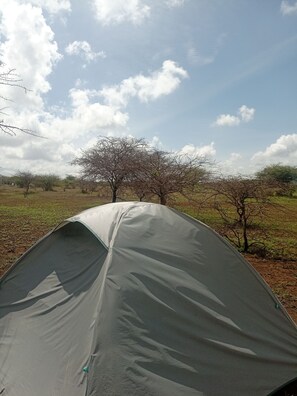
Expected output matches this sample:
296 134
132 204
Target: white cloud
85 119
283 150
287 8
234 157
118 11
175 3
28 46
84 50
232 165
156 143
64 136
245 114
146 88
189 150
90 116
38 158
52 6
207 151
227 120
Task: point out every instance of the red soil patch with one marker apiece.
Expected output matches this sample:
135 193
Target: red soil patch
281 276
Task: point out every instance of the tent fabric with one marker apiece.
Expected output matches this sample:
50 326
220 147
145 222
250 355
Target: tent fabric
139 299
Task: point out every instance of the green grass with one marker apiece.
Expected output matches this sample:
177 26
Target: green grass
23 220
46 207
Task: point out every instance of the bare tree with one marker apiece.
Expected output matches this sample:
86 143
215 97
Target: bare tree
25 180
47 182
8 77
162 173
87 186
242 204
112 160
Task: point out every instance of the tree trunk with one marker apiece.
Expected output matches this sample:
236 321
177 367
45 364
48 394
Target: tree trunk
163 199
26 193
114 195
245 237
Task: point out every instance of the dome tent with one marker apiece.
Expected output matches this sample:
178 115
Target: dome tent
138 299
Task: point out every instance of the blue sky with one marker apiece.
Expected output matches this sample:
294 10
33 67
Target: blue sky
210 77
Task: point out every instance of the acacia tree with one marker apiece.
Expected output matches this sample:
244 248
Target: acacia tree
162 173
8 77
112 160
242 204
47 182
25 180
282 178
70 182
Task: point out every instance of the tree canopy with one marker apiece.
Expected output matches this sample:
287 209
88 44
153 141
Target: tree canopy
278 173
112 160
146 170
242 204
162 173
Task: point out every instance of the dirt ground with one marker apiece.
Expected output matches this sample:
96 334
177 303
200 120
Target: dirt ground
281 276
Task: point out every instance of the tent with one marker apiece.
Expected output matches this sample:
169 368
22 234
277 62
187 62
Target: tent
139 299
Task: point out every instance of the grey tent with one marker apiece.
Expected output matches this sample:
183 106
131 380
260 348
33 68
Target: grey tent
138 299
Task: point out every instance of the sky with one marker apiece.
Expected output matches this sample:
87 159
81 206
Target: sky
217 78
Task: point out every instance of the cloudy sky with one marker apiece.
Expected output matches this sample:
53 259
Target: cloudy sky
217 78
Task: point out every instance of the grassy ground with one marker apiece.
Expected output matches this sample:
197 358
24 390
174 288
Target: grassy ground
24 220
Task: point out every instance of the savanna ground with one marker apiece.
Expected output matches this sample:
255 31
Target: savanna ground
23 220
